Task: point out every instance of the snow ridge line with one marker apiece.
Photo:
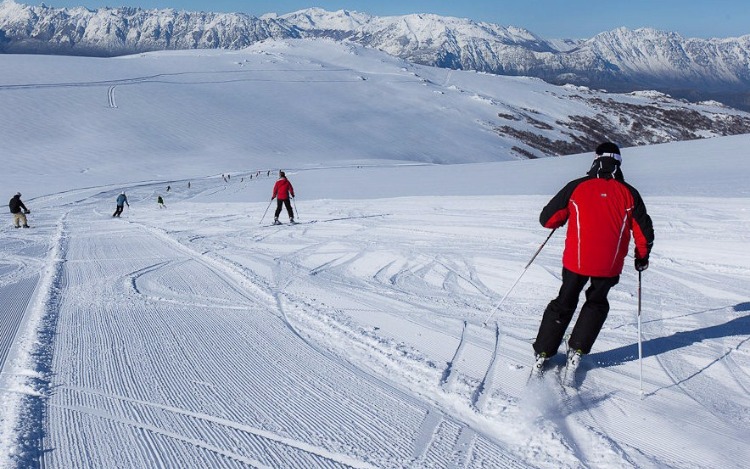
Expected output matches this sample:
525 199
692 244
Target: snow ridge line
29 364
482 394
308 448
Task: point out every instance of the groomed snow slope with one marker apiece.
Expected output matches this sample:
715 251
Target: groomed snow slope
198 336
194 336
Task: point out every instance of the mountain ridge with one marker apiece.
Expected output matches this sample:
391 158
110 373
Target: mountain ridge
620 60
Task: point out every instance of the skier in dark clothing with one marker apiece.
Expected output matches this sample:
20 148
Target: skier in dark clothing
122 200
282 191
19 211
601 210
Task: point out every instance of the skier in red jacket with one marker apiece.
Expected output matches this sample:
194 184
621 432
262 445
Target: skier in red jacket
282 191
601 210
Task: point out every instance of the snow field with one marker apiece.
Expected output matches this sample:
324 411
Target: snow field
199 336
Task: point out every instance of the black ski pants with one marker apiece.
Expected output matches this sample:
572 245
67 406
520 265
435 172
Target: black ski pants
560 311
118 210
279 203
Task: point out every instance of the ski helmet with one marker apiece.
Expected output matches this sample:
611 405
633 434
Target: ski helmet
608 149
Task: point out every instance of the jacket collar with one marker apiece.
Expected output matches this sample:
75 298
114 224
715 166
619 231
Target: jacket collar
606 167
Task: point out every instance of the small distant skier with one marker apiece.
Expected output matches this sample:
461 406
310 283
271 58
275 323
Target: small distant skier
602 211
160 201
169 188
188 184
19 211
122 200
282 191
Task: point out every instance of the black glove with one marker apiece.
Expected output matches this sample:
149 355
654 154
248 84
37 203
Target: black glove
641 264
27 211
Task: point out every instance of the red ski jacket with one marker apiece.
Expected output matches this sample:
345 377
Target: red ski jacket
602 211
282 189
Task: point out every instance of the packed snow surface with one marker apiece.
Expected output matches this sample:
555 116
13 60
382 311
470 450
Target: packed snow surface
198 335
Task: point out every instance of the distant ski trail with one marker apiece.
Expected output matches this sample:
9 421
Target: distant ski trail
164 78
111 97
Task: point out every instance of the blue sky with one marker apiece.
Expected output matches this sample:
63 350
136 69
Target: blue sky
547 18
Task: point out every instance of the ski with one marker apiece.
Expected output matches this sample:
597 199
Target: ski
565 372
291 223
539 369
568 375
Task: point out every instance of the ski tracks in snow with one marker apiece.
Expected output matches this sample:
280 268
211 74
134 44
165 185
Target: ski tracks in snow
111 97
481 395
157 328
496 381
448 381
190 385
335 346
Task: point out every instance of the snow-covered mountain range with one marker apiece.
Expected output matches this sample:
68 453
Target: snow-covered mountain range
617 60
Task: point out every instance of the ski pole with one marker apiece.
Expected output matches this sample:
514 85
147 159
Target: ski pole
264 213
295 208
640 346
494 310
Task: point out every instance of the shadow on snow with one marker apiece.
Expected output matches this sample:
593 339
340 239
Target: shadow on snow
736 327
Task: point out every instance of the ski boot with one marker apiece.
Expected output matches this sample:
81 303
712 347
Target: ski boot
276 221
540 359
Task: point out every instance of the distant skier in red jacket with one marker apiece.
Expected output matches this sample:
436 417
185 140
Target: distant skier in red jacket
282 191
601 210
